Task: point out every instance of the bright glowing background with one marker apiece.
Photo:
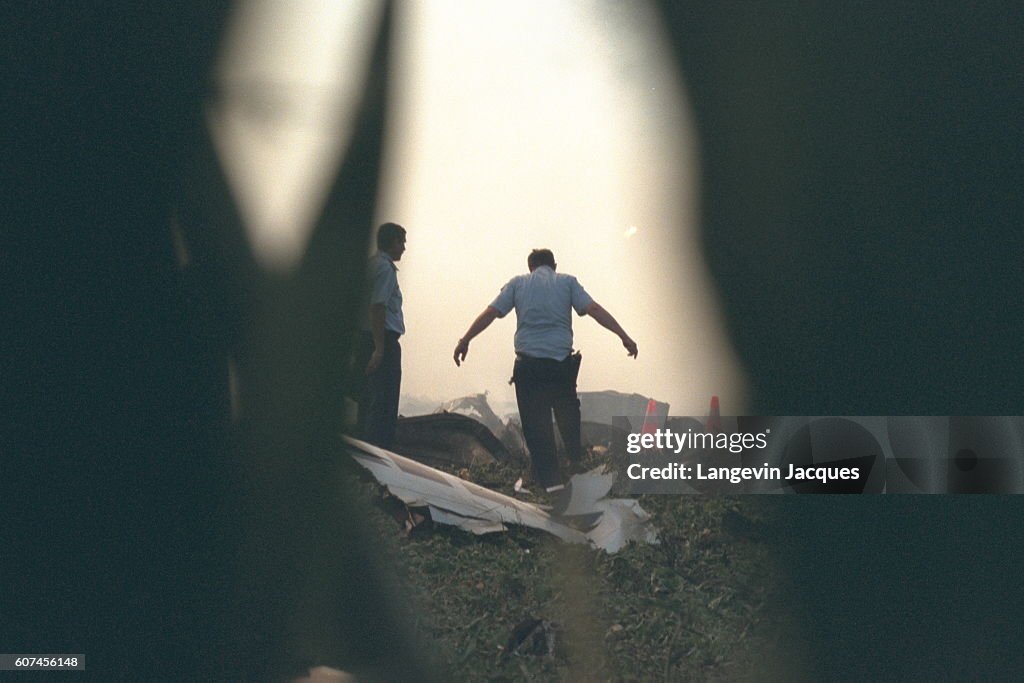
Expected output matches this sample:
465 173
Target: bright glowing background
515 126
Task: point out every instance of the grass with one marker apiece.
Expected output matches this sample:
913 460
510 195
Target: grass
700 605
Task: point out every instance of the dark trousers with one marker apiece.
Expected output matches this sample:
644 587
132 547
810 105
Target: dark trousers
378 397
543 387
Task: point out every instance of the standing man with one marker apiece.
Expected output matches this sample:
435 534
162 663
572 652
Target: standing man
545 369
379 353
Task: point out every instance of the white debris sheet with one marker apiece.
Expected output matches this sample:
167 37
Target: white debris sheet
612 522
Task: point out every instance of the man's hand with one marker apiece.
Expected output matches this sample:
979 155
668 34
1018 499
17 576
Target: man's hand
461 349
375 360
630 345
478 326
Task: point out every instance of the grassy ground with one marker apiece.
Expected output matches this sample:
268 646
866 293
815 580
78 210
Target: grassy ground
700 605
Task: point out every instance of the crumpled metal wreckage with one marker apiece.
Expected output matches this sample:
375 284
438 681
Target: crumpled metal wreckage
609 523
448 438
476 407
597 410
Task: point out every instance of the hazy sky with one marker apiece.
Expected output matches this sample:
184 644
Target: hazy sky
538 123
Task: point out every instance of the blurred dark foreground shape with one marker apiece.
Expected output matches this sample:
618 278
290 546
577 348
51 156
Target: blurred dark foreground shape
861 208
148 529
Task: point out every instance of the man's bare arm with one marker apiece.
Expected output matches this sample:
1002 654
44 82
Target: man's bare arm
605 320
479 325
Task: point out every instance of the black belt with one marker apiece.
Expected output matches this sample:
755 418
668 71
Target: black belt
523 356
570 362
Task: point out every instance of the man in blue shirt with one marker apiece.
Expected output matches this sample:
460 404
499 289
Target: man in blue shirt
380 355
545 369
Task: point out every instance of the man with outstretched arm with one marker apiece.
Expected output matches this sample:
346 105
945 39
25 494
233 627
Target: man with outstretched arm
545 369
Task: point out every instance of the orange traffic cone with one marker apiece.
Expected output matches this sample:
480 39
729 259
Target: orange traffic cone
650 418
714 421
651 422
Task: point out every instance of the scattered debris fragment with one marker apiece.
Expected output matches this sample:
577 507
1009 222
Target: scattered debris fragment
598 435
410 520
602 406
476 407
532 637
471 507
513 438
325 674
448 438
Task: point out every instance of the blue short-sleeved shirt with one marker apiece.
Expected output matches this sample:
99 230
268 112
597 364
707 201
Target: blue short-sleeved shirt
384 289
544 301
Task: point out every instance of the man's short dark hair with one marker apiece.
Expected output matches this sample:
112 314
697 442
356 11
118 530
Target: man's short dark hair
540 257
388 234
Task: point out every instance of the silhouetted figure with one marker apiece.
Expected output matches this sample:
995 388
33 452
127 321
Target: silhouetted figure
380 353
546 368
